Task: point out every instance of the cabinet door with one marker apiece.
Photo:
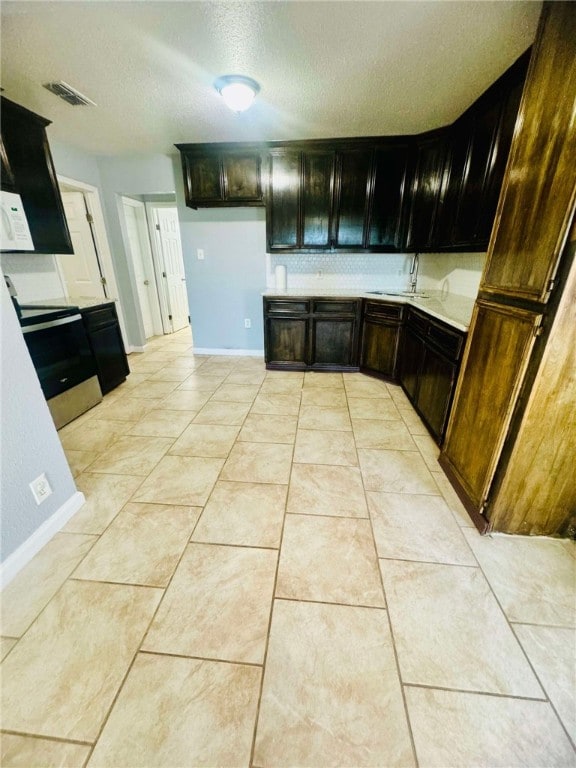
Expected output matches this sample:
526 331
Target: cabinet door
502 142
388 201
493 370
317 193
353 194
283 209
426 190
457 149
286 341
435 387
110 357
379 347
334 342
538 195
411 354
34 177
242 177
203 173
476 174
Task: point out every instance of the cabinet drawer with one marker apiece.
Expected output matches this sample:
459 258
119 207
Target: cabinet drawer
331 306
449 342
286 306
380 310
417 322
100 316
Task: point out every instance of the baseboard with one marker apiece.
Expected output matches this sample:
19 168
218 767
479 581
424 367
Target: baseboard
41 536
133 348
231 352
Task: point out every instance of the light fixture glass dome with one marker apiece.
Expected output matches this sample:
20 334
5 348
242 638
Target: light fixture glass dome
237 91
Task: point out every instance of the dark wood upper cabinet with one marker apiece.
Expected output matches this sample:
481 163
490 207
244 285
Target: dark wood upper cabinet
435 191
221 175
283 224
426 188
353 178
317 197
28 169
392 177
478 144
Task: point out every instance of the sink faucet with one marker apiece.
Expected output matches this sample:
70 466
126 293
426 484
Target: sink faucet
414 273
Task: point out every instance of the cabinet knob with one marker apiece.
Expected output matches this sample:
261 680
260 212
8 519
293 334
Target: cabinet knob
146 282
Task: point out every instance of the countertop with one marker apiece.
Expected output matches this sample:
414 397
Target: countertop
82 302
452 308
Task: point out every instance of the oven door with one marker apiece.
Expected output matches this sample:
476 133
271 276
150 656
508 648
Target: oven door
61 353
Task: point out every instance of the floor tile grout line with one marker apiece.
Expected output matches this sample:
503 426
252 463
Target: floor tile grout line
330 602
325 514
169 654
427 562
471 692
389 620
272 602
45 737
514 622
230 545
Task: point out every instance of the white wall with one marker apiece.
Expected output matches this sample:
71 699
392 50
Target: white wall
35 276
29 441
131 176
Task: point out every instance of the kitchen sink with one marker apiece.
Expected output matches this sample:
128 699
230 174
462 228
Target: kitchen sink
406 294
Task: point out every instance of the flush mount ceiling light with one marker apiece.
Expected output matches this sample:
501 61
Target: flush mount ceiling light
237 91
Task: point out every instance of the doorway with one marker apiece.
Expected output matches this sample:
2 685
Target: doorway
89 272
144 274
167 249
151 231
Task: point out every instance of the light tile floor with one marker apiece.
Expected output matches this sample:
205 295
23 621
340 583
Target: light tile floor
271 569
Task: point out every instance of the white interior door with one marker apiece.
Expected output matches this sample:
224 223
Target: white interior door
168 229
139 244
81 270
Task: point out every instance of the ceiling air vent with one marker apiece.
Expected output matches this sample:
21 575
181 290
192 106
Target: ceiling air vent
69 94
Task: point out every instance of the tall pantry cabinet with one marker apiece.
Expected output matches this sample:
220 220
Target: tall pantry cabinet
511 440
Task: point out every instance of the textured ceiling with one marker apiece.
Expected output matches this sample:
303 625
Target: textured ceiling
326 69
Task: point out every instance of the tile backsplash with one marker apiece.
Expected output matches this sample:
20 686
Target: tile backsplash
457 273
340 270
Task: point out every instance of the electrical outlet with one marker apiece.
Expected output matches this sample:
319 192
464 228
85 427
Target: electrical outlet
247 322
200 254
40 488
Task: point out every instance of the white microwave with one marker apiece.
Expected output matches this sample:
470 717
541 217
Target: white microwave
14 230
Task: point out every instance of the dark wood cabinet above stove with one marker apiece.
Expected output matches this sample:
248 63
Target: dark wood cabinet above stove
28 170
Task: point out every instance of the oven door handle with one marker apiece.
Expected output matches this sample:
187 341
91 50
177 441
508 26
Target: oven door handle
51 323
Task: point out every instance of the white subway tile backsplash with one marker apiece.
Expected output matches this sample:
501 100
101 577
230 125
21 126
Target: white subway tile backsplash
341 270
452 273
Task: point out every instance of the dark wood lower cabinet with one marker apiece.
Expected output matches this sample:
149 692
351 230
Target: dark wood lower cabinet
396 342
381 329
412 353
428 368
103 329
311 333
287 342
435 389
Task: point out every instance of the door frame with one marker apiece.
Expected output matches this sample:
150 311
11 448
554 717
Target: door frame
104 254
158 259
157 315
